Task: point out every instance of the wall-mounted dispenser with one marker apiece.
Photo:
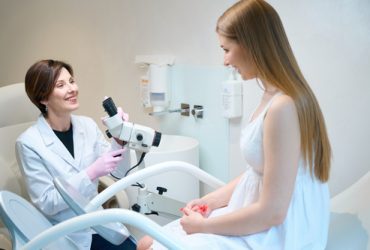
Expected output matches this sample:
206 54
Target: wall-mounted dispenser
155 84
232 96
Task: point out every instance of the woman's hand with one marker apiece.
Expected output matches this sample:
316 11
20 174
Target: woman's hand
200 206
192 221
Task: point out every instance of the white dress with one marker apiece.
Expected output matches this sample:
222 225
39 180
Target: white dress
307 221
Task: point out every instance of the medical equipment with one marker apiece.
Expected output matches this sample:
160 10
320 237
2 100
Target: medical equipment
116 233
31 230
149 203
73 198
155 84
232 96
25 222
139 138
40 238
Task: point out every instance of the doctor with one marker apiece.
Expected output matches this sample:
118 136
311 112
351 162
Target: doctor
65 145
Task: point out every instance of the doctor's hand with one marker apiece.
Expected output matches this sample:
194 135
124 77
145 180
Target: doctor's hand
192 221
120 112
124 117
105 164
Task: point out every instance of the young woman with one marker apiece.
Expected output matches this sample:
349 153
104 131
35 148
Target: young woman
281 201
64 145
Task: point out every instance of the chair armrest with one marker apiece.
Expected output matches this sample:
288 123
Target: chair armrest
153 170
120 197
99 218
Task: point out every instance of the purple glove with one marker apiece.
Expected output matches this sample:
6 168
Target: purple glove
105 164
124 118
120 112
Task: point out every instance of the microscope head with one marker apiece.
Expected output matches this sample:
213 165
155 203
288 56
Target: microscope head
138 137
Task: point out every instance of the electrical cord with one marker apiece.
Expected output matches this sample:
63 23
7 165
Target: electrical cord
141 159
139 162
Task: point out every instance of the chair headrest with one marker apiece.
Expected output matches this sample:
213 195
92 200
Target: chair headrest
15 106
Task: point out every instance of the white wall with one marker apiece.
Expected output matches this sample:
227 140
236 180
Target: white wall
332 44
101 38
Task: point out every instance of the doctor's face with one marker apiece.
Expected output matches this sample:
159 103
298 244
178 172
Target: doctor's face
63 98
237 57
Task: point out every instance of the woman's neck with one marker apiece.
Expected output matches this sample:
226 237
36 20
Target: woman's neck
59 122
268 89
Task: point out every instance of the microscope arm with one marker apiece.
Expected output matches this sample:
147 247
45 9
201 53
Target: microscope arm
152 203
153 170
164 205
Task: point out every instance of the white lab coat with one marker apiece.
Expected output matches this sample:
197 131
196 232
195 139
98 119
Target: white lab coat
42 157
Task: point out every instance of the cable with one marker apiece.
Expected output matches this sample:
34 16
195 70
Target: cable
141 159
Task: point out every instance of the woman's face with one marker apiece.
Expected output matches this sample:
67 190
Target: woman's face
63 99
237 57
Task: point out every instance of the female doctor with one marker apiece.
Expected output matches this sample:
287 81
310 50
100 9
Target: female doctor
63 145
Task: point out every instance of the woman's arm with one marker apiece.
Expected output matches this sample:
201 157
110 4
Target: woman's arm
220 197
281 150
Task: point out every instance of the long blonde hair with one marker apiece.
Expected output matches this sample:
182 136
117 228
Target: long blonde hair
257 27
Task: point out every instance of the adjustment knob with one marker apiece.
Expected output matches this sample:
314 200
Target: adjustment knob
161 190
108 133
136 207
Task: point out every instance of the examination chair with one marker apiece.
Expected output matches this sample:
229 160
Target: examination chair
350 217
17 114
349 226
30 229
350 210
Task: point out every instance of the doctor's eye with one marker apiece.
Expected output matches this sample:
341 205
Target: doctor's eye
59 84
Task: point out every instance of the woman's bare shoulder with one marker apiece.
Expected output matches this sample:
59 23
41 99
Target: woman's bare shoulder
283 105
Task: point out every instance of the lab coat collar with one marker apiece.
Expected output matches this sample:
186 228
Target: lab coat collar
55 145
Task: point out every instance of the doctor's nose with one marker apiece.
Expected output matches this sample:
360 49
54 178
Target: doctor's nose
72 87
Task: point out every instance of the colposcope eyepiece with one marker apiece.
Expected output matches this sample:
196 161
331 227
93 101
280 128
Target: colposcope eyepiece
157 138
110 107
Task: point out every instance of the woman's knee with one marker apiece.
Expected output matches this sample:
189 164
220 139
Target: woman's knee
144 243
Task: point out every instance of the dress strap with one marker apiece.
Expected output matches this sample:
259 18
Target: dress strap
264 112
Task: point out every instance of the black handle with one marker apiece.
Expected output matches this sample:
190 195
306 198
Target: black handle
161 190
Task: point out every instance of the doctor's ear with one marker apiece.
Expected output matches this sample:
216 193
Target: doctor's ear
44 102
43 107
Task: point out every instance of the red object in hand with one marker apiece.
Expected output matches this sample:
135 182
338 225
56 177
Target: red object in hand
202 209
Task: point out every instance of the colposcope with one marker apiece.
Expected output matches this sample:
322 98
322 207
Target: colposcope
137 137
141 139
